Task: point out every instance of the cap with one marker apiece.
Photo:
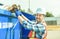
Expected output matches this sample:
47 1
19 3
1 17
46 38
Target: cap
40 11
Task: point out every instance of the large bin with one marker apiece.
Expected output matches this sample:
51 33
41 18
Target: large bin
10 27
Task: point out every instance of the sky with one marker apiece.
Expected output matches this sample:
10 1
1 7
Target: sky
52 6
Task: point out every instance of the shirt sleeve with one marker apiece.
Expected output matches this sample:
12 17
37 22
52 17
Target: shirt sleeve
30 25
38 28
27 25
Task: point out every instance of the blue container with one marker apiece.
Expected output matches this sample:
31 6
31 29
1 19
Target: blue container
17 31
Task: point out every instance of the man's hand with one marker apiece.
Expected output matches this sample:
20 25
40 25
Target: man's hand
18 13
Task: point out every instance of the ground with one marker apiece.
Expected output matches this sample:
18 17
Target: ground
53 32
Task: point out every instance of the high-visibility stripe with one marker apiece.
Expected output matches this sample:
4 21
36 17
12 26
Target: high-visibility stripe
33 34
30 34
33 38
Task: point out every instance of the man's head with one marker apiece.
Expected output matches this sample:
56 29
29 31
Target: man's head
39 15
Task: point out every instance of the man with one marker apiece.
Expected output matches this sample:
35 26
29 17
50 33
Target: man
40 18
39 26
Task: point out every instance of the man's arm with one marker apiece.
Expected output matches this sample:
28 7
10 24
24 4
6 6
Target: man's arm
21 19
44 23
17 12
45 35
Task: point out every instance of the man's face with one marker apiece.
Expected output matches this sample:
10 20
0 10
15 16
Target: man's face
39 17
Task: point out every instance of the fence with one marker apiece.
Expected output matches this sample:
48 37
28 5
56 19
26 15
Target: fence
52 20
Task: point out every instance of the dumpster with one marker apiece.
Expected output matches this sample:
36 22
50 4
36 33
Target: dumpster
10 27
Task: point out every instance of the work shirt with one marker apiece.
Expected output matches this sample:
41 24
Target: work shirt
39 28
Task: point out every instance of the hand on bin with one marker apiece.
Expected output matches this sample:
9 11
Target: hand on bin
18 13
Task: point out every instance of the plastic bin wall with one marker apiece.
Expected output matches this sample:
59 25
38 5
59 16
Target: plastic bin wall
10 27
